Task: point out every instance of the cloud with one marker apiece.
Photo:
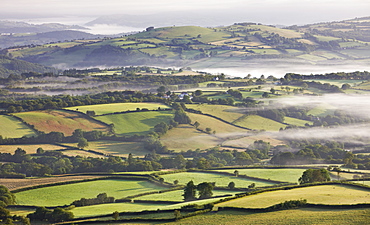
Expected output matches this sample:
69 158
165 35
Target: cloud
358 133
265 11
358 105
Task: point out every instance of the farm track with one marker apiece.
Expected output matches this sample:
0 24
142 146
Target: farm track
14 184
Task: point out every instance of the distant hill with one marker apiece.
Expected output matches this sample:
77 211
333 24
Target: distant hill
232 46
14 66
22 27
43 38
162 20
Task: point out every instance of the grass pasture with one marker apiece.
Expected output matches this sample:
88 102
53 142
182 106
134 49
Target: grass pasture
185 137
30 149
323 194
322 110
256 122
363 86
136 122
227 113
246 141
297 122
282 32
362 52
103 209
82 153
304 216
366 182
13 128
20 211
290 175
222 129
60 121
66 194
13 184
116 148
220 179
117 107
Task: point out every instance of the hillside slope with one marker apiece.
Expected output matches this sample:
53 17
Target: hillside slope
227 46
14 66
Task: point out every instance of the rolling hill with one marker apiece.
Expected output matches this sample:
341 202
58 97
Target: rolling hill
226 46
10 65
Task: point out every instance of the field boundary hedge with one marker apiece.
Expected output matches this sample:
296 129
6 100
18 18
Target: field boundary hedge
242 176
31 127
215 117
264 167
86 117
135 111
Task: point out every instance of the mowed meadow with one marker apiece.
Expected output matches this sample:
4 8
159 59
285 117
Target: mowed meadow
136 122
219 179
118 107
304 216
13 128
66 194
322 194
61 121
290 175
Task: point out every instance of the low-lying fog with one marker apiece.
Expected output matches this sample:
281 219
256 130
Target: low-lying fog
356 105
278 68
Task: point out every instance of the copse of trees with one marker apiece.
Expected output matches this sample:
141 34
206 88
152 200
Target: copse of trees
20 164
365 75
310 153
7 198
100 199
55 137
314 175
56 215
204 189
63 101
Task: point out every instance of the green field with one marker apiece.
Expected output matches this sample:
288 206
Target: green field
366 182
222 129
30 149
227 113
322 110
185 137
323 194
13 128
103 209
137 122
311 57
256 122
66 194
295 121
220 179
117 107
284 175
362 52
116 148
246 141
305 216
82 153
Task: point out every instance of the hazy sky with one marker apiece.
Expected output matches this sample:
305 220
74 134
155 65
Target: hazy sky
264 11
